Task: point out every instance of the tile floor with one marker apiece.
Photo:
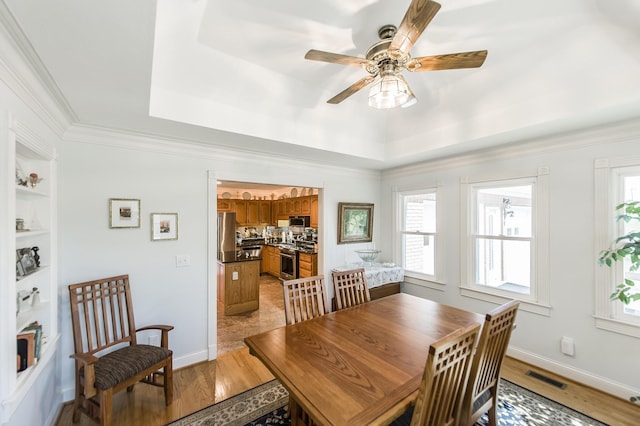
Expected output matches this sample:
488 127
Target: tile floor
232 329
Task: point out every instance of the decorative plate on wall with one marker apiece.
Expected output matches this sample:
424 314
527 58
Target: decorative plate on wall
246 196
294 192
226 195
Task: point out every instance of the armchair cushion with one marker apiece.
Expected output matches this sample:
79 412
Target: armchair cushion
118 366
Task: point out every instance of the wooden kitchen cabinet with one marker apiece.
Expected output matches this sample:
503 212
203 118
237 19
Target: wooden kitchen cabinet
267 212
314 211
225 205
238 287
271 260
307 265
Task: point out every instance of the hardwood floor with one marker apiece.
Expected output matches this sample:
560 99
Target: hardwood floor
203 384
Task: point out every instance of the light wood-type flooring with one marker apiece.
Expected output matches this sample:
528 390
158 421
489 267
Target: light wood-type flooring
203 384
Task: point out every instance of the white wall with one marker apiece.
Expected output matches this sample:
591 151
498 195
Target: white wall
168 177
600 356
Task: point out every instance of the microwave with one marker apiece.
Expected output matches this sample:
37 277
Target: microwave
304 221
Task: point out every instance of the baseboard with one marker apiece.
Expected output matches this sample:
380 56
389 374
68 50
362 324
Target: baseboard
584 377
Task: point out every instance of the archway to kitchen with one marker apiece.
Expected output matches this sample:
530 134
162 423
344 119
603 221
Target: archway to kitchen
258 213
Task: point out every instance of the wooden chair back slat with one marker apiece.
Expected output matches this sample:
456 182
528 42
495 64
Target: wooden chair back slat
444 379
304 298
350 287
101 314
484 377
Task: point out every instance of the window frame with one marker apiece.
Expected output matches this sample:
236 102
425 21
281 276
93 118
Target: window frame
538 299
436 280
609 314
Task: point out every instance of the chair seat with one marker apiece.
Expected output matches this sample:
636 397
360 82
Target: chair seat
118 366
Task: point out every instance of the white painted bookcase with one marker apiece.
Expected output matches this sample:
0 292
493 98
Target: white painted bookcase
22 148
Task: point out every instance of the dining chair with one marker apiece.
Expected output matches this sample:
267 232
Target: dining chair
350 287
107 355
482 388
304 298
443 381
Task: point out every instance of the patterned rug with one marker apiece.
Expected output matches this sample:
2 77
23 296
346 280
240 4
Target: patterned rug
267 405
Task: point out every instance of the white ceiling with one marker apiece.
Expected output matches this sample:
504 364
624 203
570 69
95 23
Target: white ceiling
233 73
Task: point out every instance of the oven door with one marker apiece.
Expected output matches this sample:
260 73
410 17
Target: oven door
288 264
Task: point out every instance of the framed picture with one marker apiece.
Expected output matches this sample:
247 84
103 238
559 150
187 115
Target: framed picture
355 222
124 213
164 226
25 263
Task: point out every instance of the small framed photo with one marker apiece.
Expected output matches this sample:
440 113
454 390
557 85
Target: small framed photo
124 213
164 226
355 222
25 263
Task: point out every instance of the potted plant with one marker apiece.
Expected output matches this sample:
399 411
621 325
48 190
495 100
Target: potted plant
625 247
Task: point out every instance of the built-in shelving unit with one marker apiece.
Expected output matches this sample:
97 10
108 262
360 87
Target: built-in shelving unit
25 153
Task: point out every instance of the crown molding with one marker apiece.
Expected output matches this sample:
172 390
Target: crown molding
627 130
24 73
123 139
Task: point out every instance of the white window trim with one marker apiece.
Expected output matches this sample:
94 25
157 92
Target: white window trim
437 281
606 183
539 301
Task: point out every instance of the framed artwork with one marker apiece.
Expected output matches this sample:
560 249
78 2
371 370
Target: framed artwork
25 263
124 213
164 226
355 222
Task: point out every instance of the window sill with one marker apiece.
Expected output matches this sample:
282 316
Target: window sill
617 326
424 282
525 305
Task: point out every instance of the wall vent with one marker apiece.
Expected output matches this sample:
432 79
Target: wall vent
546 379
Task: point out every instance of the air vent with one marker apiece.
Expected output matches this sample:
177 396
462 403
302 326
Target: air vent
546 379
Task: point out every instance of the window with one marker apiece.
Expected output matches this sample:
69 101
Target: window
617 181
630 191
503 236
418 233
504 244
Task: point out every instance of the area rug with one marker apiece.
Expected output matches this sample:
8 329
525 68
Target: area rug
267 405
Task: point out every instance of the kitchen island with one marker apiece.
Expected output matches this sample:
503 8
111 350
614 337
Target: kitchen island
238 286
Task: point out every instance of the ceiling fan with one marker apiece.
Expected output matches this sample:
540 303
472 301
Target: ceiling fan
391 55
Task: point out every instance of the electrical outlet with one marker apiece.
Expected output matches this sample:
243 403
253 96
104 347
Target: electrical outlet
234 275
567 346
183 260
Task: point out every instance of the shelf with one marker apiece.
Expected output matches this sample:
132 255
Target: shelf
32 276
28 191
25 234
25 318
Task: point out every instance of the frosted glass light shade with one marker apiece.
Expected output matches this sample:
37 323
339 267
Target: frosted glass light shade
390 92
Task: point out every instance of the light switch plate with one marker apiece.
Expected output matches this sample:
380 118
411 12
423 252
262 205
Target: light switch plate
183 260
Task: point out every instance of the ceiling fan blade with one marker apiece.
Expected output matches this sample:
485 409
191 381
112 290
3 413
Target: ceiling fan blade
358 85
450 61
415 20
335 58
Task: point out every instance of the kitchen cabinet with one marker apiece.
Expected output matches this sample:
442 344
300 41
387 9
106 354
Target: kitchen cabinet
314 211
248 212
240 207
225 205
238 287
267 212
25 152
264 215
271 260
307 264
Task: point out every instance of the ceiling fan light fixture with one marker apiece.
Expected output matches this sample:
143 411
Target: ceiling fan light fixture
390 92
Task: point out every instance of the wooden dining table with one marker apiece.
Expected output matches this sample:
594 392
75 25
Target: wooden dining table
361 365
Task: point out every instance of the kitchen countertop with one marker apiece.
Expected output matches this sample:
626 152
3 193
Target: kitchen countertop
279 245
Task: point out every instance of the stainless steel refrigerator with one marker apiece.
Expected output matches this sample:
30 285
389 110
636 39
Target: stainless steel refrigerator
226 237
